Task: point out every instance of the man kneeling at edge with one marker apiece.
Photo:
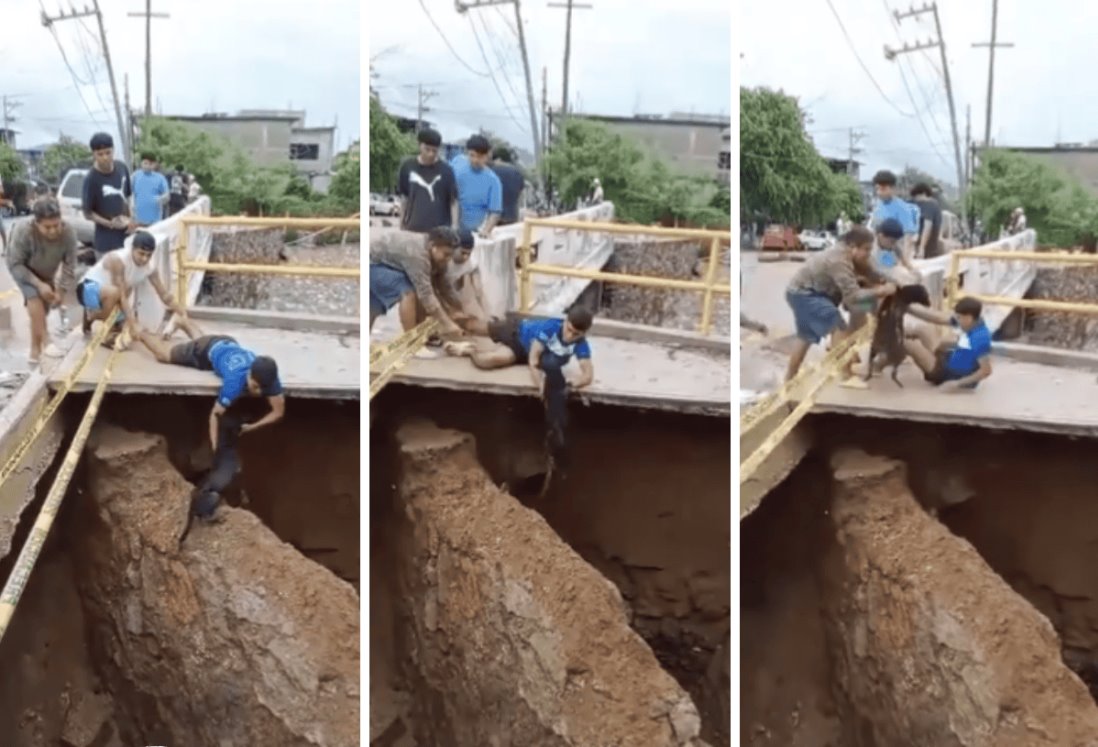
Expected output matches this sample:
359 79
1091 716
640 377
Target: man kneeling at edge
239 369
960 366
409 271
827 279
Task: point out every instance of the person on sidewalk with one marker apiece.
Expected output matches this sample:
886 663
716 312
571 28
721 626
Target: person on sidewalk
39 249
106 200
828 279
962 365
512 182
114 279
409 270
428 187
239 369
150 192
479 189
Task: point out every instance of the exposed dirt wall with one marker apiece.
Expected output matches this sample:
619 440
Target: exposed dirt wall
503 650
235 639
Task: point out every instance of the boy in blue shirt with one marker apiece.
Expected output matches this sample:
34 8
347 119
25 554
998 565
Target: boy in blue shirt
150 192
542 344
962 365
891 207
239 369
480 192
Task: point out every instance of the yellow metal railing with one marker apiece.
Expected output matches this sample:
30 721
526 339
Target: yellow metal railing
1036 304
386 360
707 287
184 266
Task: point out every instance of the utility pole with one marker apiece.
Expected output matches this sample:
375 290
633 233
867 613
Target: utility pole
8 105
568 6
48 21
940 44
464 6
968 145
148 15
855 138
544 106
129 116
991 66
421 105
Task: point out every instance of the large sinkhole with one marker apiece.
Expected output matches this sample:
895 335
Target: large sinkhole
246 633
914 584
594 612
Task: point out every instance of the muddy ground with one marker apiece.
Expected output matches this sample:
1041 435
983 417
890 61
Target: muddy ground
869 618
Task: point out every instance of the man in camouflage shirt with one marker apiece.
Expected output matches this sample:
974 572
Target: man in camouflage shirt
826 280
409 270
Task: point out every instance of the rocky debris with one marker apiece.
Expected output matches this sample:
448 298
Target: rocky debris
1070 331
234 640
682 260
929 646
503 651
243 246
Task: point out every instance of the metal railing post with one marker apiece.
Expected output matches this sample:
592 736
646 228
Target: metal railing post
952 284
181 264
525 290
710 277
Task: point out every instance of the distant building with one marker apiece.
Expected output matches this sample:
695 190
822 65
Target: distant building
7 136
697 144
846 166
1076 160
275 138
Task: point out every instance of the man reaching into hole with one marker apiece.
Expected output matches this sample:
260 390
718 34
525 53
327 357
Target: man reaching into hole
239 369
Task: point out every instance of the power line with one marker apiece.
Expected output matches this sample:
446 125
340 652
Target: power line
850 43
495 83
914 73
446 41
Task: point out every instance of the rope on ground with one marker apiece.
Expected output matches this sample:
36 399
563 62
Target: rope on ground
769 404
27 441
32 548
749 466
392 357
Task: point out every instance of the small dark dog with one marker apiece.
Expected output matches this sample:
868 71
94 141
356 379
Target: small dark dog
888 337
206 496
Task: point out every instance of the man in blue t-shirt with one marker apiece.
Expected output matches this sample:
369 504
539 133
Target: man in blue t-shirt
240 370
891 207
150 192
480 192
542 344
963 364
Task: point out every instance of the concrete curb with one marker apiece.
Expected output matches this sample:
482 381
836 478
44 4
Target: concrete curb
1047 356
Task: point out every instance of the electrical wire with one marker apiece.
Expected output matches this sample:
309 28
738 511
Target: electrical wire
911 68
492 77
446 41
853 49
503 60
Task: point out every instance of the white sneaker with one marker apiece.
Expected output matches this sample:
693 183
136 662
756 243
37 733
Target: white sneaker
52 351
427 354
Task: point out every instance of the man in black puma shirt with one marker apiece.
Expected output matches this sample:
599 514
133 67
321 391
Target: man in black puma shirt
428 187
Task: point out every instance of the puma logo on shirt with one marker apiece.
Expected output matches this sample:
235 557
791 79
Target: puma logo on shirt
112 191
415 178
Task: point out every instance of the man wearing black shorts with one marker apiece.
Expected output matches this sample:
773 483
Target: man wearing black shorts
239 369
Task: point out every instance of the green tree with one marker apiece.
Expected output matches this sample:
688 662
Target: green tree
388 147
12 167
346 183
67 153
782 176
1056 205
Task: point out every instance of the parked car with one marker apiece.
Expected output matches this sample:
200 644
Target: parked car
815 241
387 205
71 195
780 238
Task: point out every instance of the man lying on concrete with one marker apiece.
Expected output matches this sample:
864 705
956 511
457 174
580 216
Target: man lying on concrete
541 344
827 279
114 280
960 365
239 369
408 270
39 248
463 275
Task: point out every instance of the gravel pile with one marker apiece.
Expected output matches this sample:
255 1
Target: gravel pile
1070 331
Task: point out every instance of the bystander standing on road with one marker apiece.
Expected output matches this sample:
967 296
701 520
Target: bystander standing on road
177 199
891 206
107 191
427 187
479 189
512 182
930 221
150 192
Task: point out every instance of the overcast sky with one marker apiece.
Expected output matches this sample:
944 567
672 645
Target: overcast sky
1043 90
627 57
217 55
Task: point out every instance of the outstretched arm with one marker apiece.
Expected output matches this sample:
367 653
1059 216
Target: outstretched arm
587 374
278 409
215 415
118 280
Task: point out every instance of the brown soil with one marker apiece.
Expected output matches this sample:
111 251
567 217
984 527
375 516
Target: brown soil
123 637
621 509
867 622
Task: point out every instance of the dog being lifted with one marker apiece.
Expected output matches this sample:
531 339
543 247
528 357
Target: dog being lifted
206 496
888 337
